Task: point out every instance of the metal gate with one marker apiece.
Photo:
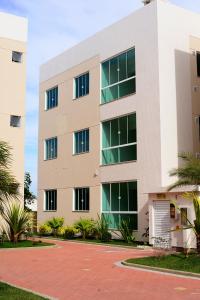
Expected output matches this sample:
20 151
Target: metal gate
162 235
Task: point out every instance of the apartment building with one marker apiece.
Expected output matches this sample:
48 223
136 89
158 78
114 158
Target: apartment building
115 111
13 39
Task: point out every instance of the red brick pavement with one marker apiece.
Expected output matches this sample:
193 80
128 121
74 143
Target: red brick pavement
73 271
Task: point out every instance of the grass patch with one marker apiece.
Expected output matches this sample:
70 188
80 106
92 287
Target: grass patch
8 292
21 244
175 262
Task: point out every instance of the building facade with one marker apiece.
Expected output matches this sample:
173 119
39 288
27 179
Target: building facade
115 111
13 39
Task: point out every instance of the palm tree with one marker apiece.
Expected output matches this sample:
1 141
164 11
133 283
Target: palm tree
8 184
16 220
85 227
189 174
55 224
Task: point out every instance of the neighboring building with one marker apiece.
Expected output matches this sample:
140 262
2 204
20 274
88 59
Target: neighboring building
13 38
115 111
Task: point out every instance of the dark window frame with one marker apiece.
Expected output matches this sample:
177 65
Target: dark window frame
82 85
50 197
82 142
15 121
198 63
17 56
49 102
48 152
82 205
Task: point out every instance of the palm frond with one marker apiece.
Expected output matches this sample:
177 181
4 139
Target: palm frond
5 154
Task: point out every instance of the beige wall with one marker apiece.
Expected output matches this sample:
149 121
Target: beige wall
68 170
12 86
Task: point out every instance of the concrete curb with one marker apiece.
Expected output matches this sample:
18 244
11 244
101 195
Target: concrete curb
29 291
108 245
162 270
29 248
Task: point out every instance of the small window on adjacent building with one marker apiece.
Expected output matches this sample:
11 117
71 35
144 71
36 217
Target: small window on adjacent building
81 141
82 85
81 199
172 211
52 98
51 200
15 121
16 56
51 148
198 64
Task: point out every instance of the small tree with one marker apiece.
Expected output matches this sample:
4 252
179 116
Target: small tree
9 187
16 219
85 227
189 174
29 197
102 229
55 224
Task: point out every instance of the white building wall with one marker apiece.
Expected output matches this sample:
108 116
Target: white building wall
160 33
175 26
13 27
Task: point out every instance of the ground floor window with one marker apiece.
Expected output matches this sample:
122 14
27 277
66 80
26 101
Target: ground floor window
51 200
81 199
119 202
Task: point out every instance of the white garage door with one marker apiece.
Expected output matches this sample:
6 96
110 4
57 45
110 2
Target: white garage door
162 224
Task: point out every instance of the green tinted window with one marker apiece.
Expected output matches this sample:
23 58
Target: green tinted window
119 202
119 140
118 77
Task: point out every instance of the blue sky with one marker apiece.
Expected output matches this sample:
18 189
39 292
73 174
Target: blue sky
55 25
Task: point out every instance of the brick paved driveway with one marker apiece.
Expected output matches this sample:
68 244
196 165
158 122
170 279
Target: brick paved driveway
88 272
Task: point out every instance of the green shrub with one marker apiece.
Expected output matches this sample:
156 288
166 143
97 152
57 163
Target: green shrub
70 232
102 229
85 226
44 229
55 224
126 231
61 231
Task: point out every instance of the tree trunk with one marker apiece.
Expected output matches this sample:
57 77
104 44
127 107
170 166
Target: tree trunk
198 243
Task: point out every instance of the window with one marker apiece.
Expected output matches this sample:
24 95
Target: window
172 211
82 85
16 56
52 98
184 221
198 64
81 199
119 141
81 141
51 200
51 148
197 121
119 202
15 121
118 77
